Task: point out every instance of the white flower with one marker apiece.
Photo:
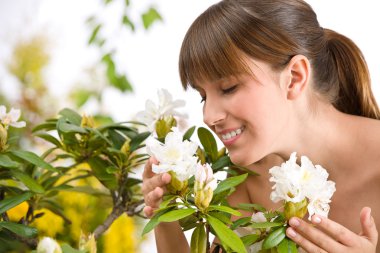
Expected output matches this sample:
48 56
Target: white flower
166 107
204 177
10 119
294 183
48 245
175 155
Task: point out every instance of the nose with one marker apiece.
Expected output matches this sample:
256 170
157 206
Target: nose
213 113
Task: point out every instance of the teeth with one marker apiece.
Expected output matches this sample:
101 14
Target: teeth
231 134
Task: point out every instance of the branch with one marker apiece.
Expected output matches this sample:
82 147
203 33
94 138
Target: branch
116 212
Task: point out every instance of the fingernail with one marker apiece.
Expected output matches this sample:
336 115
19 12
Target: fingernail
316 219
291 232
294 222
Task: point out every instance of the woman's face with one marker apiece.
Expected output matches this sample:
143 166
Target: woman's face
249 114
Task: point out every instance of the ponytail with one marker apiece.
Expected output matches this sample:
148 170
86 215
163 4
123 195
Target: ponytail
353 94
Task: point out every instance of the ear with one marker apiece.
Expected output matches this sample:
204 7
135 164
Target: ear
298 72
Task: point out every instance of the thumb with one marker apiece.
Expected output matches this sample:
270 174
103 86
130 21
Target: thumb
368 225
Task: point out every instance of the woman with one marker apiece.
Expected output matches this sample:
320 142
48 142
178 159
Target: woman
273 82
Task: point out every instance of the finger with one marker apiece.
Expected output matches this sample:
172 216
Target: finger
158 180
368 225
335 230
148 211
148 167
154 198
305 244
313 237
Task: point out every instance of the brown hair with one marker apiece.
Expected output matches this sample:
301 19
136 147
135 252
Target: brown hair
274 31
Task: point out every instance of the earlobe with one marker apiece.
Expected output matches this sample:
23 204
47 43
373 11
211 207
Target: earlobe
299 70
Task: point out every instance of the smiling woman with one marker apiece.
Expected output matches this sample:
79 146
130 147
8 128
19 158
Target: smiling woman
273 81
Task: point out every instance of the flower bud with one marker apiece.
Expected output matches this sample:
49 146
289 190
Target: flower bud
298 209
48 245
87 243
3 138
126 146
176 186
164 126
87 121
204 186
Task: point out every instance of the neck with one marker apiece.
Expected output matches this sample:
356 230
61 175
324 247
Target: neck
318 135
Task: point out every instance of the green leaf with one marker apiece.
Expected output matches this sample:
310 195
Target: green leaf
225 209
50 138
226 235
153 222
71 116
224 217
70 128
176 215
66 248
209 143
240 222
127 22
6 162
11 202
189 133
198 240
98 167
33 159
81 96
138 139
250 239
274 238
222 162
266 224
251 207
47 126
287 246
150 17
28 181
94 34
19 229
230 182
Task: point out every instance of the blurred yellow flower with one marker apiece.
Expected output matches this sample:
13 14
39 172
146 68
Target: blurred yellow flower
120 237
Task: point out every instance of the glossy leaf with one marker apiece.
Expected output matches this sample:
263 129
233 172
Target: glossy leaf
274 238
226 235
225 209
287 246
6 162
189 133
28 181
71 116
230 182
250 239
198 240
266 224
33 159
176 215
19 229
208 142
11 202
50 138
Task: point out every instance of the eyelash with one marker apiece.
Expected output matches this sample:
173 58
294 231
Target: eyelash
225 91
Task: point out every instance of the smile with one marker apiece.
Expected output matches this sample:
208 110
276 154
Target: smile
232 134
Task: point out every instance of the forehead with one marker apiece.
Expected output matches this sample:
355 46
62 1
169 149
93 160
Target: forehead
257 70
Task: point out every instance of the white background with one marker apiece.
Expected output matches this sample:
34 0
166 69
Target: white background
149 58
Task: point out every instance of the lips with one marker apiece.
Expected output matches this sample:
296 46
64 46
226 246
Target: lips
231 134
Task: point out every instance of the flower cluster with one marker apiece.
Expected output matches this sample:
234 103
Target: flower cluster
161 114
175 156
302 186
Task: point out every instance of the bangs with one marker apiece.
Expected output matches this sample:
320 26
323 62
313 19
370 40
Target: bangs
212 57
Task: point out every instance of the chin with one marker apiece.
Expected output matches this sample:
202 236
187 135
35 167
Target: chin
242 160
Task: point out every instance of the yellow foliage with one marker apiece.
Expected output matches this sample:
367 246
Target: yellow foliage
49 224
17 212
120 237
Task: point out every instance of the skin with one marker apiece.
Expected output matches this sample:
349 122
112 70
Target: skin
279 113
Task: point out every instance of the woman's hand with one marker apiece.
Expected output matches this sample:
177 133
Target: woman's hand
329 236
153 187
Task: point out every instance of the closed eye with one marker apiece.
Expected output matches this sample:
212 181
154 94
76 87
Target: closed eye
229 90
